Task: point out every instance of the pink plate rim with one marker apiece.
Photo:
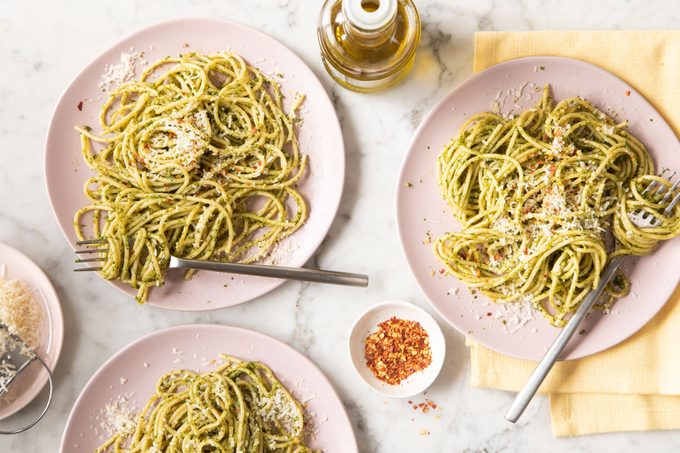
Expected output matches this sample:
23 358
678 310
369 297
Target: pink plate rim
193 329
337 178
42 284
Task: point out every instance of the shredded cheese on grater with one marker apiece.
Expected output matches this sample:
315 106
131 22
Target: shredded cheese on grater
20 312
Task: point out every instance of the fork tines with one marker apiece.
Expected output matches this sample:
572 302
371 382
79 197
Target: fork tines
91 251
90 242
87 269
662 194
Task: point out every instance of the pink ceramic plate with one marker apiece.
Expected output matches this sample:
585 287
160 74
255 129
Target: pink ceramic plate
421 209
320 137
31 381
132 374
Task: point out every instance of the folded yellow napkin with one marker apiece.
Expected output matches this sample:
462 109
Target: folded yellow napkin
636 384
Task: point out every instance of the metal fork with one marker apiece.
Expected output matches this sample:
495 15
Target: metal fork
642 220
259 270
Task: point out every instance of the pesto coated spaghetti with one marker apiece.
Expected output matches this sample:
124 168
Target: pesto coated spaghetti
197 159
537 196
240 407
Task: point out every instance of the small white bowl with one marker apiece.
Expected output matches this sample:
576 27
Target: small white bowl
368 323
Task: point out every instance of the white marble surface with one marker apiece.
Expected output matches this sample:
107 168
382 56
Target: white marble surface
43 44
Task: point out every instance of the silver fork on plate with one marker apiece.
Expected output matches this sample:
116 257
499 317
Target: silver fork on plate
642 220
259 270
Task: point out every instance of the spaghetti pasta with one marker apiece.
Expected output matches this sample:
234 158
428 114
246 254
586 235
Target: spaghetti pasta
240 407
538 196
197 159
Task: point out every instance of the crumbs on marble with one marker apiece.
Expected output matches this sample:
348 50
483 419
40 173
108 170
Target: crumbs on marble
428 237
408 184
424 406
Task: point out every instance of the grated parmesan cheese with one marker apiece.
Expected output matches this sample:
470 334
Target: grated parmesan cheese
20 313
116 74
607 129
118 416
515 315
179 354
7 373
278 408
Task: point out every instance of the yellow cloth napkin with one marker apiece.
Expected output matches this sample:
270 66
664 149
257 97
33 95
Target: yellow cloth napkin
636 384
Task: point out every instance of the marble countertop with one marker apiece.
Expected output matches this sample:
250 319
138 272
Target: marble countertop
45 43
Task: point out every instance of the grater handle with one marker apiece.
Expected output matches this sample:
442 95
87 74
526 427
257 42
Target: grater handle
47 404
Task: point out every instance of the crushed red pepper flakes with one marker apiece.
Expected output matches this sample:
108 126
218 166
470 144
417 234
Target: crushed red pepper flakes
425 406
627 92
80 106
397 349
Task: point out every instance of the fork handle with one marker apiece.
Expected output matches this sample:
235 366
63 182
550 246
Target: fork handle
262 270
545 365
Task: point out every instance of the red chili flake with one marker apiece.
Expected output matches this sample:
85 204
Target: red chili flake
397 349
488 313
442 270
627 92
80 106
553 169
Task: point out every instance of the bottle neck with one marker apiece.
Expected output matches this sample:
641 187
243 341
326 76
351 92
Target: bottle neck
369 23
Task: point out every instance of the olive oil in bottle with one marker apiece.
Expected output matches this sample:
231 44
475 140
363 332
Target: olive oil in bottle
368 45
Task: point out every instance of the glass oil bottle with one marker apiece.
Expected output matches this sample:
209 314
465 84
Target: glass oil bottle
368 45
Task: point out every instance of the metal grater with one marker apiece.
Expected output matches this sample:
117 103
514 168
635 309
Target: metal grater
15 357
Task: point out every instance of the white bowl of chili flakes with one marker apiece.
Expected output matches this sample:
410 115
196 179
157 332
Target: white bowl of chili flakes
397 349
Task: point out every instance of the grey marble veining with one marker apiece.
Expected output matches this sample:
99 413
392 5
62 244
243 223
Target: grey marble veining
43 44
